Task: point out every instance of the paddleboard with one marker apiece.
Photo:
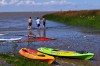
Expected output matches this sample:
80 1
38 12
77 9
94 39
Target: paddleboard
10 39
2 34
37 39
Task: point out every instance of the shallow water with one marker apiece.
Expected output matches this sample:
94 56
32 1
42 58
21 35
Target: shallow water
67 38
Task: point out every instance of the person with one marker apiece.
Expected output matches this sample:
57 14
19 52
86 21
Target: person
44 21
29 23
38 22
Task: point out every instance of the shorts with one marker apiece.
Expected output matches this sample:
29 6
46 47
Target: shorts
29 24
38 25
44 24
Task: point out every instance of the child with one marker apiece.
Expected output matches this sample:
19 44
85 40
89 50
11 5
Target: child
38 22
44 21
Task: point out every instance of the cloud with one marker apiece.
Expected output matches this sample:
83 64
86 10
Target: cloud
54 2
27 2
32 2
13 2
3 2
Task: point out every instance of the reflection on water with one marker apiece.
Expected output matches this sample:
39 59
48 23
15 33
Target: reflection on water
44 32
41 32
38 33
30 33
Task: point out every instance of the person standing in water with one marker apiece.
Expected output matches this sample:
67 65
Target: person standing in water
38 22
29 23
44 21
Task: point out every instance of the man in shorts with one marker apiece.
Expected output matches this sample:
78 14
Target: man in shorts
29 23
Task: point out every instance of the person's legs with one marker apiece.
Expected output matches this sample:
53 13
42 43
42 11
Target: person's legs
30 26
44 24
38 26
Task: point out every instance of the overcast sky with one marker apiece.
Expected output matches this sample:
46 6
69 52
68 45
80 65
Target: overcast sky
47 5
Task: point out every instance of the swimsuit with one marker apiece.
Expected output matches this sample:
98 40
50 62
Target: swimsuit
30 24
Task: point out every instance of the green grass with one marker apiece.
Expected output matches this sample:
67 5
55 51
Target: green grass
87 18
18 60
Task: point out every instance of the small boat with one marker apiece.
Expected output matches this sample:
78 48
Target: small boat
35 55
37 39
69 54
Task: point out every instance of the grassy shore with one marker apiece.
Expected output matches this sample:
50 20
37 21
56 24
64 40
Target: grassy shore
87 18
17 60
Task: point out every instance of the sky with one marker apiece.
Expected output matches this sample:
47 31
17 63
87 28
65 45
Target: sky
47 5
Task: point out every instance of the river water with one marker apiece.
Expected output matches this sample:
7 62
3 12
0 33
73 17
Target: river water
67 37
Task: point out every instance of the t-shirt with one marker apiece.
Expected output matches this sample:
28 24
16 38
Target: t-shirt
37 21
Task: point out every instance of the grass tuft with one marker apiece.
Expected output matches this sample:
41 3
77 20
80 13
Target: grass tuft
18 60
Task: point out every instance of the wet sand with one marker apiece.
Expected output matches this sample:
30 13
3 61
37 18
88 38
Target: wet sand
67 38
